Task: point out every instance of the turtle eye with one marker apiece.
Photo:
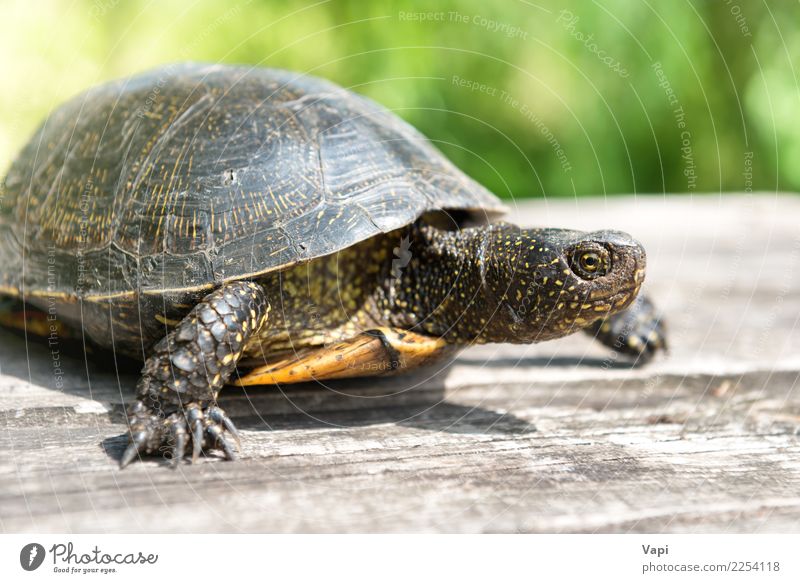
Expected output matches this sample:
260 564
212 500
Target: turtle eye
590 263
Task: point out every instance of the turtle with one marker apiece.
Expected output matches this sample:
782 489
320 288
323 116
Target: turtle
245 226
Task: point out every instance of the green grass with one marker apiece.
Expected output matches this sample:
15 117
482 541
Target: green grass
606 97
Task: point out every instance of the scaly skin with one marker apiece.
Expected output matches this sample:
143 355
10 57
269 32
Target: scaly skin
181 379
496 283
500 283
638 332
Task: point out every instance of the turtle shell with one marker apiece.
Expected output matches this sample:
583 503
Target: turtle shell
190 175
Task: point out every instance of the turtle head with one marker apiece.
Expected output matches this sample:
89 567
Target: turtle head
560 280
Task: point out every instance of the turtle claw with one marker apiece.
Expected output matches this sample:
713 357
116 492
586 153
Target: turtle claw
179 442
144 426
195 416
135 446
219 416
210 430
217 433
197 441
206 429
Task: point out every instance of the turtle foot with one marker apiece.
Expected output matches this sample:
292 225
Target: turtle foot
638 332
201 428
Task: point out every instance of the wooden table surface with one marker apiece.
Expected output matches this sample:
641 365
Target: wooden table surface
547 438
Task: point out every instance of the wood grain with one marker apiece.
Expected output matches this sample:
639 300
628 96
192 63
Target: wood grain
555 437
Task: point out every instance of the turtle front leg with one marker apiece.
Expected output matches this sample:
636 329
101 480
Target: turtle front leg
180 380
637 332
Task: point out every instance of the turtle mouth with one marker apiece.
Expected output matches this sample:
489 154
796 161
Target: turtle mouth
616 300
629 287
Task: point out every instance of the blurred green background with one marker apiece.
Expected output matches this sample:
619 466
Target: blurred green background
531 98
